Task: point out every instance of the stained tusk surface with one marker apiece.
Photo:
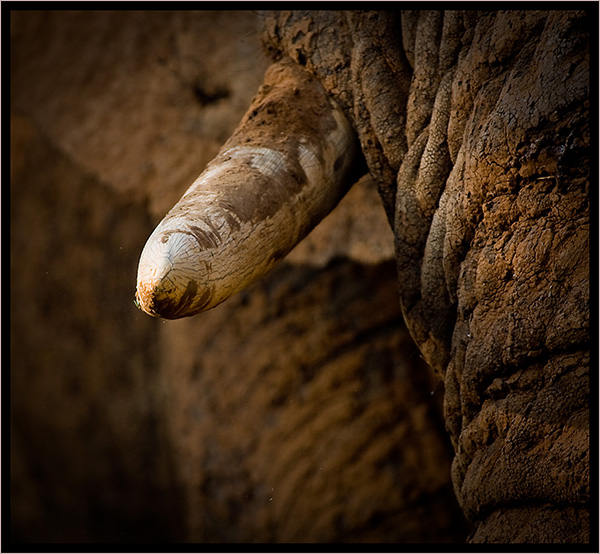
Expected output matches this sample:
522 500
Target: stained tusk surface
287 165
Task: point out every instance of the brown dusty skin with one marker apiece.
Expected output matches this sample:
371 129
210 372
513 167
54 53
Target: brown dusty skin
485 176
474 126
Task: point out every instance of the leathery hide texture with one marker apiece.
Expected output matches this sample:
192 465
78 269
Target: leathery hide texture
475 127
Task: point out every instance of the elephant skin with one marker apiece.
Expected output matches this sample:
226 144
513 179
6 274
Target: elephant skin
475 127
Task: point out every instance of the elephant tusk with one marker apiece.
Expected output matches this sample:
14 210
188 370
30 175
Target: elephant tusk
289 162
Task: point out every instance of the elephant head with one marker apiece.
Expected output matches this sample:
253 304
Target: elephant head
475 127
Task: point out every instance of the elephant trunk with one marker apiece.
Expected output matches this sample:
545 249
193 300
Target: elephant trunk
475 126
287 165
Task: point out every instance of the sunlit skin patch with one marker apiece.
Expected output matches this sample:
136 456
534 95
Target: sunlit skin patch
287 165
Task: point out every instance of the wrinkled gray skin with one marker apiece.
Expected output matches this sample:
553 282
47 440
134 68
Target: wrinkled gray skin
475 127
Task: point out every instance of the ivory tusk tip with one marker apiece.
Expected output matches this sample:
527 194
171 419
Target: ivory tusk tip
165 284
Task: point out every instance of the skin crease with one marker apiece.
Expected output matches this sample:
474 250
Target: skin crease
267 188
